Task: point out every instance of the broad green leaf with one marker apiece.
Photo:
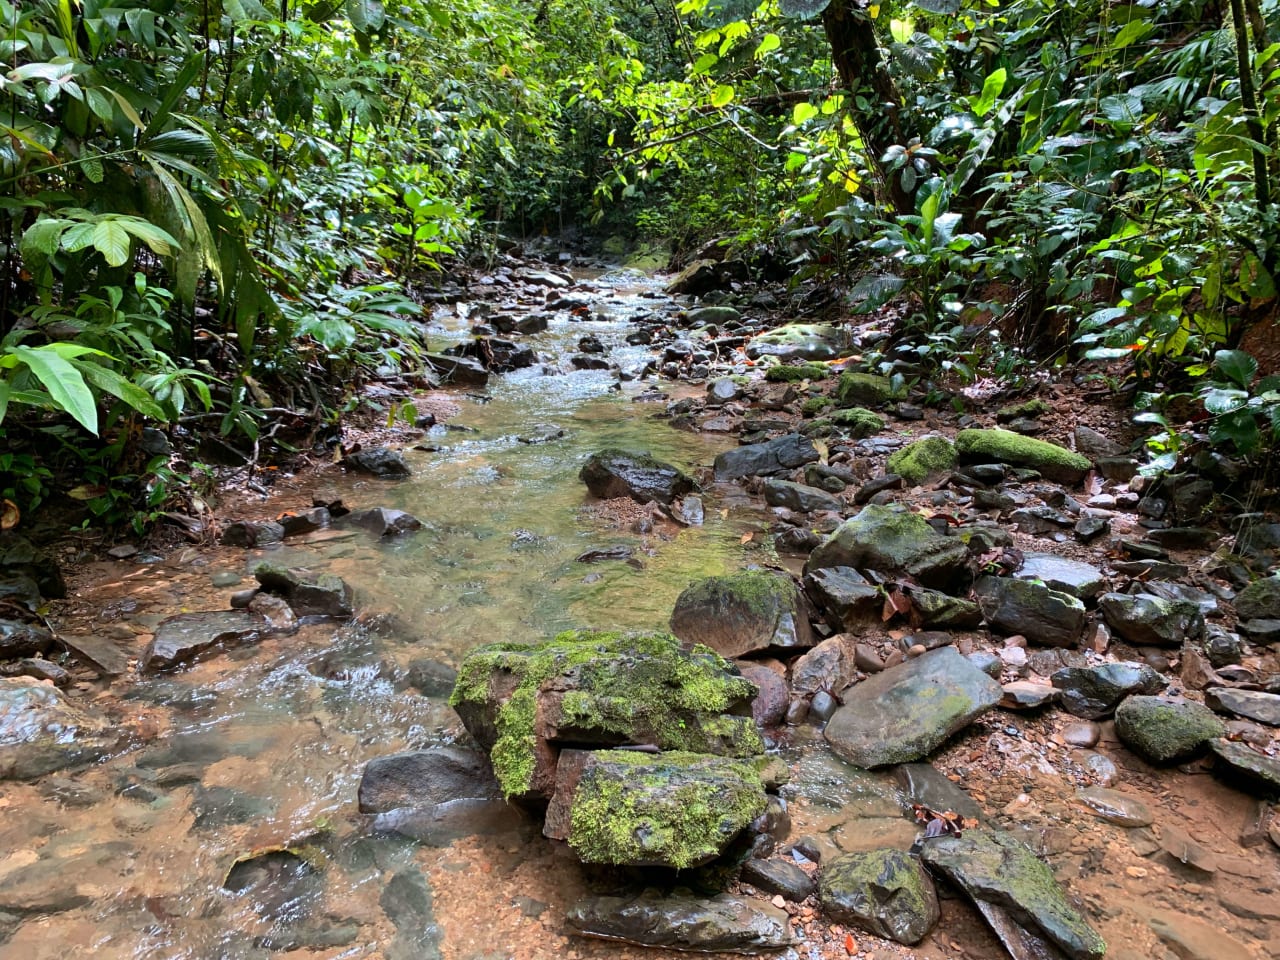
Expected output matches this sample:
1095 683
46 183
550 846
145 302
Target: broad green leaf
41 238
1132 32
801 113
770 43
703 64
1218 401
722 95
991 89
113 383
64 383
160 241
1122 109
112 241
874 290
1239 427
1236 365
367 16
901 30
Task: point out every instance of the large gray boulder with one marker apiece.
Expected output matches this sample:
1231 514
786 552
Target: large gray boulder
775 456
1042 615
1016 892
682 921
908 711
613 473
885 892
743 613
798 497
1146 620
896 543
1260 600
797 342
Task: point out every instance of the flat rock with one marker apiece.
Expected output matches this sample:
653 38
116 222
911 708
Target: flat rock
908 711
886 892
1244 764
426 778
1080 580
798 497
744 613
766 459
103 654
42 731
1115 807
1166 731
683 922
384 521
894 542
1092 693
1027 695
309 594
186 636
1031 609
924 784
1150 621
994 868
1254 704
847 599
783 877
612 473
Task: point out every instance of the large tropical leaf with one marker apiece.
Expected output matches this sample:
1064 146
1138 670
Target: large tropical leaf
366 16
112 241
64 383
108 381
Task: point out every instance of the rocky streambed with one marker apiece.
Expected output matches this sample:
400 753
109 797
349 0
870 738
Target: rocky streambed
662 629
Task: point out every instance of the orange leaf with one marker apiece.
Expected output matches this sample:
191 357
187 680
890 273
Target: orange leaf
9 515
850 944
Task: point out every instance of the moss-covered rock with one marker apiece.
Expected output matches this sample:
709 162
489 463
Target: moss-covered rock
814 406
858 422
521 702
867 389
684 921
895 542
798 341
1166 731
1004 446
309 594
674 809
918 461
885 892
1260 600
743 613
794 373
1028 409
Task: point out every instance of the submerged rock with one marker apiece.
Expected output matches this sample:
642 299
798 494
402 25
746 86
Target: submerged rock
908 711
895 542
743 613
682 921
1166 731
1003 446
1092 693
384 521
885 892
309 594
426 778
1016 892
186 636
765 459
42 731
521 702
617 473
672 809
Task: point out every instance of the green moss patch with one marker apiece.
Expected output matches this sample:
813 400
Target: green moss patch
867 389
794 373
1028 409
814 406
918 461
1003 446
858 422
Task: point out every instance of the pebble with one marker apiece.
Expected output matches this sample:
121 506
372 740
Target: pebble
1081 734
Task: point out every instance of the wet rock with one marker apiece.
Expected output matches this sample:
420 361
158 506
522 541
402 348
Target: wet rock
1263 632
1260 600
1149 621
1002 446
716 315
922 783
309 521
1101 768
699 277
19 558
224 806
617 473
743 613
426 778
894 542
384 521
1254 704
783 877
431 678
673 809
617 552
280 884
42 669
868 390
795 342
186 636
908 711
19 638
938 610
1088 529
42 731
925 458
542 433
1190 939
765 459
1222 647
1115 807
1042 615
1092 693
827 667
465 371
378 461
1183 538
798 497
845 597
1245 765
885 892
770 704
1186 850
1166 731
407 902
1080 580
1016 893
1041 521
275 612
681 921
251 533
309 594
522 701
1026 695
890 481
722 391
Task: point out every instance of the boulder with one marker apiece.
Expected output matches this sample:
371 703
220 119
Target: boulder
523 701
187 635
717 315
615 473
1166 731
1092 693
42 731
798 342
927 457
848 600
1145 620
384 521
867 390
1260 600
895 542
1015 892
1080 580
464 371
699 277
1254 704
885 892
378 461
829 666
426 778
775 456
682 921
309 594
1246 765
1025 607
19 638
770 703
1003 446
672 809
798 497
743 613
908 711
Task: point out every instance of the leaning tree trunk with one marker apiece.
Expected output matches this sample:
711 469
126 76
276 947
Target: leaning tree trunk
856 56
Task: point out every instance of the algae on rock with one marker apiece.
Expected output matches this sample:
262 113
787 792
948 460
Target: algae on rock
918 461
1004 446
795 372
867 389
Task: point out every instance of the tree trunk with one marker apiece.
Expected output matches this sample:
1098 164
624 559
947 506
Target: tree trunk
862 70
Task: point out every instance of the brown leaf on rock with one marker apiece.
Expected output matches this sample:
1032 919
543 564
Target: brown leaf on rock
9 515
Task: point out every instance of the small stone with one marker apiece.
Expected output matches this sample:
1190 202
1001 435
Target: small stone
1114 807
1084 734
